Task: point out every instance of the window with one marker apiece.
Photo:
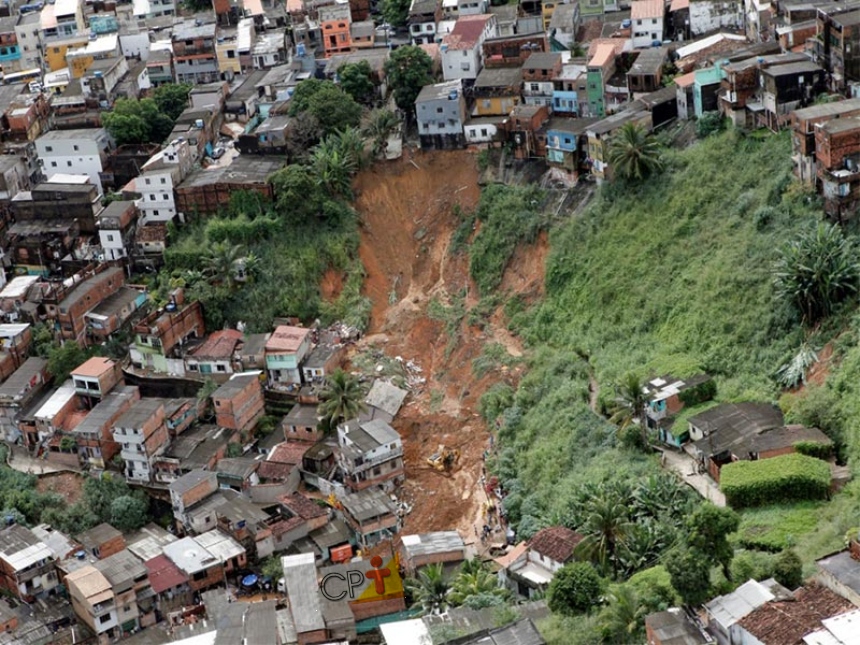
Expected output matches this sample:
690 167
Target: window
155 213
534 87
53 164
69 164
110 237
49 149
483 132
104 619
152 198
147 181
75 148
465 67
426 126
163 180
164 196
653 21
438 110
220 368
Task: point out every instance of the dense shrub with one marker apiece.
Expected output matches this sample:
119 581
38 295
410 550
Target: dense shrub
814 449
698 393
770 481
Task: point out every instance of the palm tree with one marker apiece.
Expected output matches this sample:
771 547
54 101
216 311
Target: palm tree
430 589
634 153
605 530
474 579
629 407
333 169
624 618
220 264
380 125
342 398
351 144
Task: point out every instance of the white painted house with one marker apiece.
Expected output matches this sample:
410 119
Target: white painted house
158 176
648 22
461 49
82 151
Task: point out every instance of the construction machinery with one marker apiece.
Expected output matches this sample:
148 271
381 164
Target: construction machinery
444 459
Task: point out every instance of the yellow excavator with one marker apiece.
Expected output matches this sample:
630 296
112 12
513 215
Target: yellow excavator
444 459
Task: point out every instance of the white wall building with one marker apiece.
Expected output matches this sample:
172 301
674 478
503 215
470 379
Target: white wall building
27 32
461 49
648 22
81 151
158 177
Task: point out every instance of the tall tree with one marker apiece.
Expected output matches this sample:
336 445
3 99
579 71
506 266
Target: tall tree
408 69
709 528
629 406
634 153
172 98
298 197
690 572
430 589
395 12
605 530
133 121
342 398
62 360
623 620
818 271
356 79
333 108
333 170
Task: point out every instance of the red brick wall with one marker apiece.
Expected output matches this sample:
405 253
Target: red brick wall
310 638
214 576
111 547
372 608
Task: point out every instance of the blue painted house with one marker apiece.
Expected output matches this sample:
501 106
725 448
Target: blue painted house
10 51
566 144
706 89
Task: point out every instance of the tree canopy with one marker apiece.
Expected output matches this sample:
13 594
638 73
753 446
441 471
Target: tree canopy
408 69
395 12
634 153
62 360
133 121
356 80
574 588
332 107
172 98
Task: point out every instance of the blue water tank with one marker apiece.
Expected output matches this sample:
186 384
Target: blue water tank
300 50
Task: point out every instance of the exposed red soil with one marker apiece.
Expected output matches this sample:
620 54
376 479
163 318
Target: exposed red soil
69 485
331 285
407 223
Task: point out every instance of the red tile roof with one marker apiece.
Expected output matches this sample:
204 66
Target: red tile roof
282 526
286 339
466 32
618 45
556 543
275 470
163 574
219 345
289 452
94 367
641 9
302 506
786 622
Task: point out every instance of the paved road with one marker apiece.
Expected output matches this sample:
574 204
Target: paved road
685 466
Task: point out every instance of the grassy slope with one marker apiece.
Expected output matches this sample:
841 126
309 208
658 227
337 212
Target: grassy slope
671 276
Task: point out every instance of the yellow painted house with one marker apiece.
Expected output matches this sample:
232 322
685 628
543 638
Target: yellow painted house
55 52
497 91
80 59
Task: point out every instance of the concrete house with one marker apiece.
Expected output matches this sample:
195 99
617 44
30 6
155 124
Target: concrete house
648 18
83 151
95 378
202 568
94 434
646 73
286 348
539 72
214 357
129 582
142 433
94 602
497 91
158 177
194 56
117 224
113 312
302 423
188 491
804 125
423 18
513 50
674 626
786 88
461 49
724 613
528 569
71 307
160 337
666 395
371 515
440 110
102 541
239 402
371 454
18 391
27 565
421 550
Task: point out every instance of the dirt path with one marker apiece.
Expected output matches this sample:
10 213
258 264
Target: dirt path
408 219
